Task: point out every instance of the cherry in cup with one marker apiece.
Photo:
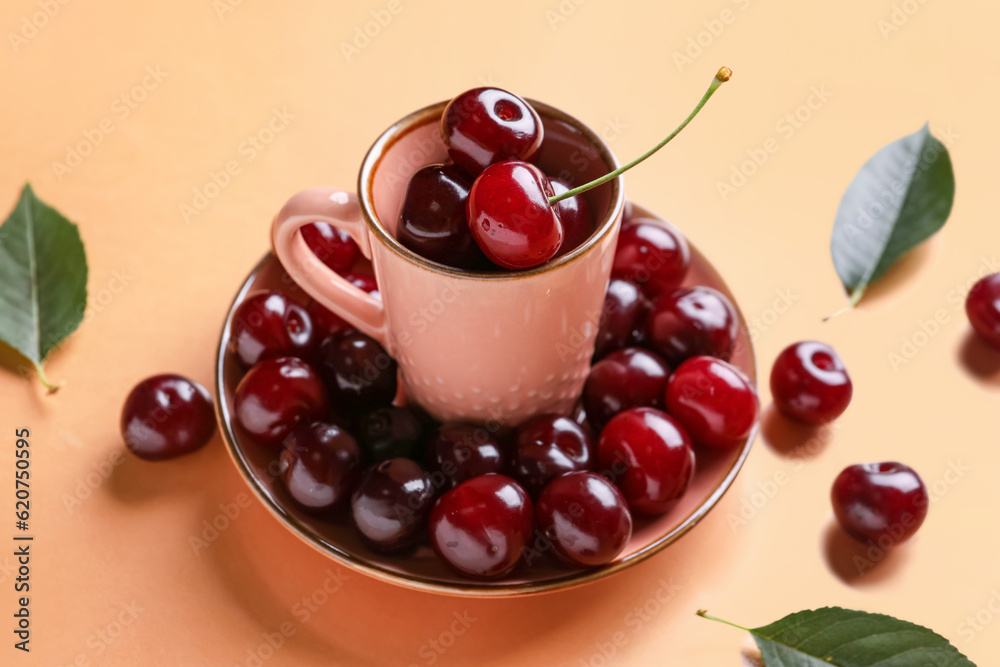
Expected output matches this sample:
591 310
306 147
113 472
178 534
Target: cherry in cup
275 395
882 503
574 214
810 384
484 126
432 220
166 416
715 403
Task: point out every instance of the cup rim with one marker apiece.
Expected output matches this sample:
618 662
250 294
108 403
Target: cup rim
375 155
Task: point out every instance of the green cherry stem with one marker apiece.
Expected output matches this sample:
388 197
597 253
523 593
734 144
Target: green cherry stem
721 77
704 614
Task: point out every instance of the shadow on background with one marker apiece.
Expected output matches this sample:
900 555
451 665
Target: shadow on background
790 439
980 359
859 564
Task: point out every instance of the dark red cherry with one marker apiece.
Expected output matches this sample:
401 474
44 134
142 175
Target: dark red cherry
166 416
364 282
510 216
461 451
623 306
320 466
692 321
983 308
276 394
585 518
326 322
628 378
391 505
574 214
389 433
486 125
653 254
715 403
482 525
548 446
432 222
333 246
647 454
810 384
359 372
884 503
268 325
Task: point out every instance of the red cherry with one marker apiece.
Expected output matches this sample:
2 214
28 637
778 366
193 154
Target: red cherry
268 325
510 216
653 254
364 282
883 503
629 378
320 466
391 504
623 308
276 394
483 126
810 384
461 451
166 416
333 246
547 446
574 214
715 403
983 308
647 454
326 322
692 321
482 526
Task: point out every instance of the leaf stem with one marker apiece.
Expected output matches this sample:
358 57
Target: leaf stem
721 77
53 388
704 614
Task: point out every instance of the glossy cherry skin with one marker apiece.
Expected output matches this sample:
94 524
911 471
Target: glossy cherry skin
333 246
267 325
275 395
574 215
510 216
359 372
326 322
652 254
389 433
692 321
483 126
884 503
461 451
364 282
623 305
584 518
547 446
482 526
391 505
320 466
649 457
628 378
983 309
810 384
166 416
715 403
432 221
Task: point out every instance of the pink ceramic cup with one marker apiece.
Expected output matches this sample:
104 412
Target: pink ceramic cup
492 348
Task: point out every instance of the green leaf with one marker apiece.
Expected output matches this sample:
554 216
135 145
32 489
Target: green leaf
835 637
899 198
43 279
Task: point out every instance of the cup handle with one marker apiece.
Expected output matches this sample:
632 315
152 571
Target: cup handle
340 209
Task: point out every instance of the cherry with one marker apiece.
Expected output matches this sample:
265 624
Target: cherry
983 308
268 325
461 451
715 403
166 416
320 466
326 322
486 125
647 454
623 307
364 282
628 378
359 372
692 321
510 216
585 518
547 446
391 505
884 503
810 384
276 394
432 221
389 433
333 246
482 525
574 214
653 254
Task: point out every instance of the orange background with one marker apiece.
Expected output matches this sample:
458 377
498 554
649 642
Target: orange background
160 284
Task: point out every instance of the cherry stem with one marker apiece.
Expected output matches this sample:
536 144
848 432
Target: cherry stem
53 388
704 614
720 78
